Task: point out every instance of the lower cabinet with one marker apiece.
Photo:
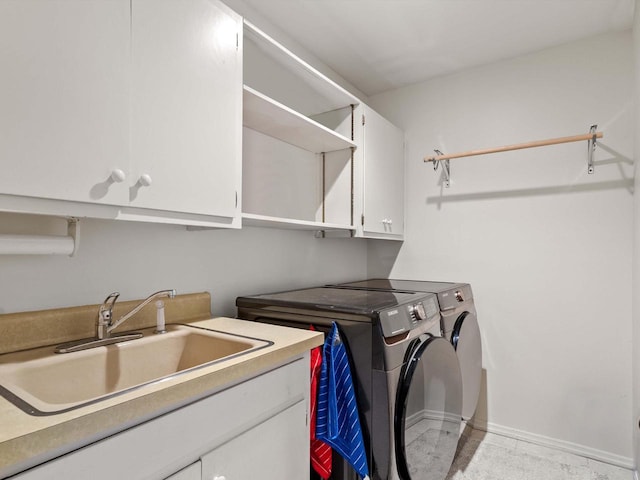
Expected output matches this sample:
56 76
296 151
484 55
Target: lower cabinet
269 451
192 472
256 429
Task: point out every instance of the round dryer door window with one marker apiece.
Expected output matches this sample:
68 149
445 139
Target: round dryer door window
428 411
465 338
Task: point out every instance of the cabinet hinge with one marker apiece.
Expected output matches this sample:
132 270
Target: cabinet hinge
237 41
362 219
363 120
236 199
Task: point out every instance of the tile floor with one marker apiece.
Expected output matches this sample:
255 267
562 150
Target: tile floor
486 456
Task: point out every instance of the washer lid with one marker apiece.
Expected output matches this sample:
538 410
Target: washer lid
346 300
402 285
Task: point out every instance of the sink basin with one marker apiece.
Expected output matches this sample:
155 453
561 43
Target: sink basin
44 383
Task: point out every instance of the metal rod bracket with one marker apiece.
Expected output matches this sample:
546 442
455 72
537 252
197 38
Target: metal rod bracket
591 147
446 168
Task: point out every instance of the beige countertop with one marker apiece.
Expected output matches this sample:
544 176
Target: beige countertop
27 440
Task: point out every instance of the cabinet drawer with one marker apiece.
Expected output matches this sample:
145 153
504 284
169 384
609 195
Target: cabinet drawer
273 450
192 472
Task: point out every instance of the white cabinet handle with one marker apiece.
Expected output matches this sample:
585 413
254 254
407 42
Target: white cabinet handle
118 176
219 477
145 180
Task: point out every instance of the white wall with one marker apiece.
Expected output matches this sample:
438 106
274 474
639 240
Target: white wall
546 247
137 259
636 245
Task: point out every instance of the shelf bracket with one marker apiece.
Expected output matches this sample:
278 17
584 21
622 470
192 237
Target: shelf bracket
591 147
446 168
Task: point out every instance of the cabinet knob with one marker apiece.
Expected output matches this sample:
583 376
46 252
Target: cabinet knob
118 175
145 180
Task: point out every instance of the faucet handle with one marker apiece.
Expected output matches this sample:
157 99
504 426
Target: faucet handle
107 306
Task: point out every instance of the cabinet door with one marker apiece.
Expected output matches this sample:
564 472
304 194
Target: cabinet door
64 98
383 176
186 106
192 472
276 449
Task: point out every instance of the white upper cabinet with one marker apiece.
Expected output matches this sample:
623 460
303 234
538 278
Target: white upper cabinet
64 93
186 107
128 109
382 176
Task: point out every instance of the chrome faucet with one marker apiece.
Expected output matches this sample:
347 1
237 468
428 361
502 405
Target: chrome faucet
105 324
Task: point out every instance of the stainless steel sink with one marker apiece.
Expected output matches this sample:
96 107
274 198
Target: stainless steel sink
41 382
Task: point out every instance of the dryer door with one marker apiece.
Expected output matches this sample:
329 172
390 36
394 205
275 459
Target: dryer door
428 411
465 338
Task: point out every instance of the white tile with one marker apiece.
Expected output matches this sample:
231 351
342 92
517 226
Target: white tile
493 439
608 471
483 456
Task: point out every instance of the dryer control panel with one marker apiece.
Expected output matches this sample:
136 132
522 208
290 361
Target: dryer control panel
452 298
422 312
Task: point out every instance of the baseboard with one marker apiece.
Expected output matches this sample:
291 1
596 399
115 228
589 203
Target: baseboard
569 447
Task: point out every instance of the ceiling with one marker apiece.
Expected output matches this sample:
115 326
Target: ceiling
379 45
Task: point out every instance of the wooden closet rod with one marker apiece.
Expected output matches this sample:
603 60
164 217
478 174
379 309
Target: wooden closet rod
519 146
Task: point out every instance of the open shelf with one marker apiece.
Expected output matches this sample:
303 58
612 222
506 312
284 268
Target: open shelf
253 220
267 116
322 93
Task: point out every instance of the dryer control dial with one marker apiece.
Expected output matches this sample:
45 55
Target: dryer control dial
459 296
417 312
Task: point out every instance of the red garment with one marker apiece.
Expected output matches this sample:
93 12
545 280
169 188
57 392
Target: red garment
321 454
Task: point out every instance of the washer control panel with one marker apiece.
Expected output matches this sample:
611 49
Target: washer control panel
423 310
405 317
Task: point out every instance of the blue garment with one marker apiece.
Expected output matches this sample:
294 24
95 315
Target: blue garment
338 423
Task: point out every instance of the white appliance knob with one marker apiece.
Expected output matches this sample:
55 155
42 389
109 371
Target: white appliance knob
390 222
145 180
118 175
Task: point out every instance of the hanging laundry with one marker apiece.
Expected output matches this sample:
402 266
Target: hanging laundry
321 454
338 423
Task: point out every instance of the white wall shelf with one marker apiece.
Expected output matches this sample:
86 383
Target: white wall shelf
253 220
270 117
298 141
314 93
